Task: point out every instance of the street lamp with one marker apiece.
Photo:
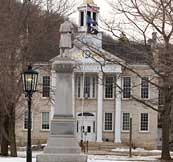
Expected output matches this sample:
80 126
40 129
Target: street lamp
29 78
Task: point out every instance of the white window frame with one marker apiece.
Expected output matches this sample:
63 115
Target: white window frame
148 88
113 88
81 86
122 122
47 86
112 122
124 98
42 120
24 121
144 131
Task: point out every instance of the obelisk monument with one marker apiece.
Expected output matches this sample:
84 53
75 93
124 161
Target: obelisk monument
62 143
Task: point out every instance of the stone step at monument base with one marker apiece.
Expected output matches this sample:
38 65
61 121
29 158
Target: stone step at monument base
62 140
62 158
61 150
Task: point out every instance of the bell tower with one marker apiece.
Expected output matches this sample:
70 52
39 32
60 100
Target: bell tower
88 15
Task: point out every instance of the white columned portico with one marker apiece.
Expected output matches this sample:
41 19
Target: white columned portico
117 138
100 107
53 85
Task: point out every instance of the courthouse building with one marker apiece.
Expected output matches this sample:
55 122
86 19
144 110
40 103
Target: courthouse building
102 88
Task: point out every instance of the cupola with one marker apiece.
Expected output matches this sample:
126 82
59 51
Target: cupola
88 14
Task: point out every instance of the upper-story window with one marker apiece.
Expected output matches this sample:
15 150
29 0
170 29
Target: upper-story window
46 86
144 87
87 87
109 89
126 87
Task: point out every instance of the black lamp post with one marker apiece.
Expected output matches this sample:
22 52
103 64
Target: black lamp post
29 78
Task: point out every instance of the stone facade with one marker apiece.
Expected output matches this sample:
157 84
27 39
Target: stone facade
41 104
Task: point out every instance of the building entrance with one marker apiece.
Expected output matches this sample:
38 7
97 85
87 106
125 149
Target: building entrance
86 126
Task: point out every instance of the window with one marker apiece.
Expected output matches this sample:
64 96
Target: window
88 129
26 120
108 122
87 83
144 122
45 121
81 18
94 126
109 82
46 86
89 88
144 87
94 17
77 126
161 97
126 122
126 87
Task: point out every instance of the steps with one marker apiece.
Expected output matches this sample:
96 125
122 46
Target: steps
103 146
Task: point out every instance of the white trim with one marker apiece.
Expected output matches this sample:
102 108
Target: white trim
148 88
91 76
144 131
46 97
45 130
130 87
99 125
113 88
125 131
112 122
117 134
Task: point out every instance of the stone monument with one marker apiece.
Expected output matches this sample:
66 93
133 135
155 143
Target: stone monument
62 143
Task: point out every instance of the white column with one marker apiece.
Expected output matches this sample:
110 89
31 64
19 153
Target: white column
73 94
117 138
100 108
53 90
85 18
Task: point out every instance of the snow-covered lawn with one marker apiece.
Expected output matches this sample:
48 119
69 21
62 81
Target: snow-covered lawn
18 159
91 158
98 158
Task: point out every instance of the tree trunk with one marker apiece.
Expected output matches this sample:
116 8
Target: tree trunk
165 137
4 142
12 134
4 147
166 125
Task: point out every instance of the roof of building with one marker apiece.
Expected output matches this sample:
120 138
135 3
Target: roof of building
131 52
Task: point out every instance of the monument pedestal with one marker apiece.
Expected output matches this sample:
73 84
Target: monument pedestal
62 144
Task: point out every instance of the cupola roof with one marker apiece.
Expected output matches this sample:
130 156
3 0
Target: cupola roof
88 2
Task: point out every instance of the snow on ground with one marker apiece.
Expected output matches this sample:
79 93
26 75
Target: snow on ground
96 158
91 158
11 159
136 150
111 158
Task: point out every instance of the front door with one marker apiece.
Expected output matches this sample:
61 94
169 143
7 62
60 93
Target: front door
86 126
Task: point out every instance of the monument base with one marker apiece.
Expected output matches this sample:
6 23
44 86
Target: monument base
61 158
62 144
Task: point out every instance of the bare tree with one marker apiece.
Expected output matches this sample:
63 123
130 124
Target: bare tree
28 34
142 17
